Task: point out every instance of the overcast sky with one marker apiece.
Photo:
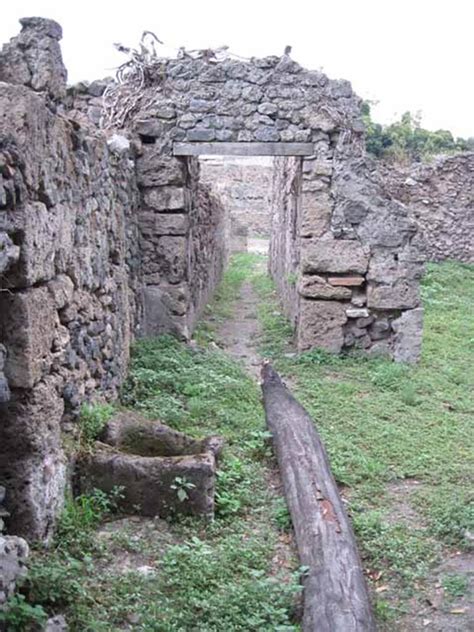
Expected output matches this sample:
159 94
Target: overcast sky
405 54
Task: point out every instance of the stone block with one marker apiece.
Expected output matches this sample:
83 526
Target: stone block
155 170
267 134
353 312
321 121
380 329
388 266
317 287
28 321
149 482
334 256
315 214
166 198
14 552
32 461
165 310
134 434
352 281
38 250
408 336
163 223
320 325
402 294
201 135
61 289
9 253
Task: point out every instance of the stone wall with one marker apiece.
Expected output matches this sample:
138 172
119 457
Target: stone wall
105 234
343 259
245 188
182 240
349 270
13 556
70 289
284 243
441 196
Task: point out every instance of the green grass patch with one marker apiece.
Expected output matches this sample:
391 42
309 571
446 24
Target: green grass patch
207 577
242 267
383 422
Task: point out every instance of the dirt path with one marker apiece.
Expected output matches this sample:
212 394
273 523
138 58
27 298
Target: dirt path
239 334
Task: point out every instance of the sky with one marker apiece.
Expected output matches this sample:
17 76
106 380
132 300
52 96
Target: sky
412 55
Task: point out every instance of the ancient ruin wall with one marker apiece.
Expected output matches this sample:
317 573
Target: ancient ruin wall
284 252
441 196
70 291
183 245
245 188
85 233
351 258
350 273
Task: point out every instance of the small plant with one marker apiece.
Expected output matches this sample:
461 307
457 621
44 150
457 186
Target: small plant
259 444
292 279
182 487
455 585
92 421
20 616
231 488
282 516
83 514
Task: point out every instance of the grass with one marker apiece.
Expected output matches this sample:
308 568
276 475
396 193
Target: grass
400 444
224 575
384 424
241 267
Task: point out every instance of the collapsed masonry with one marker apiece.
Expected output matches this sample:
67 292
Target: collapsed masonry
106 236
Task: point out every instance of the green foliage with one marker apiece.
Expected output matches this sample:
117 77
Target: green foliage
81 515
92 421
219 576
455 585
383 422
450 513
406 140
197 577
58 579
20 616
405 555
282 515
182 487
240 268
277 331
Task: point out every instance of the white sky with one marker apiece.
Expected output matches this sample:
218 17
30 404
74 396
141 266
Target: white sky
406 54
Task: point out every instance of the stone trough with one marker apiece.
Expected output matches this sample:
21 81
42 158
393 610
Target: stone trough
162 472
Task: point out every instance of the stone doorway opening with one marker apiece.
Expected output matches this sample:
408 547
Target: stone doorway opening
244 185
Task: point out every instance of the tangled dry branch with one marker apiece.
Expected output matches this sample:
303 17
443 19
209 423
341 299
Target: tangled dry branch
144 68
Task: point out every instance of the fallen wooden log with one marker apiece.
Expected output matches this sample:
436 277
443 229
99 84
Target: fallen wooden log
336 598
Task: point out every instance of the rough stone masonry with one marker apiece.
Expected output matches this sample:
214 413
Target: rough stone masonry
109 234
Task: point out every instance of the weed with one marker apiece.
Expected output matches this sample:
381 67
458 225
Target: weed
182 486
81 515
92 421
455 585
282 516
19 616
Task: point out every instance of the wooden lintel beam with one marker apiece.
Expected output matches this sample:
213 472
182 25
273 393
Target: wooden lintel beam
243 149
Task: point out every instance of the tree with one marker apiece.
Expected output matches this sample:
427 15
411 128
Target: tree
406 141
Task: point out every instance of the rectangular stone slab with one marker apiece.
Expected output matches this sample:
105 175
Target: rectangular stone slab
243 149
347 281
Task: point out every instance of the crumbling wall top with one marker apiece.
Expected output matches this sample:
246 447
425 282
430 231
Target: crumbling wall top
33 58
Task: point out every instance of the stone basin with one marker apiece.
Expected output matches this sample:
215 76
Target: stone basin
151 463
